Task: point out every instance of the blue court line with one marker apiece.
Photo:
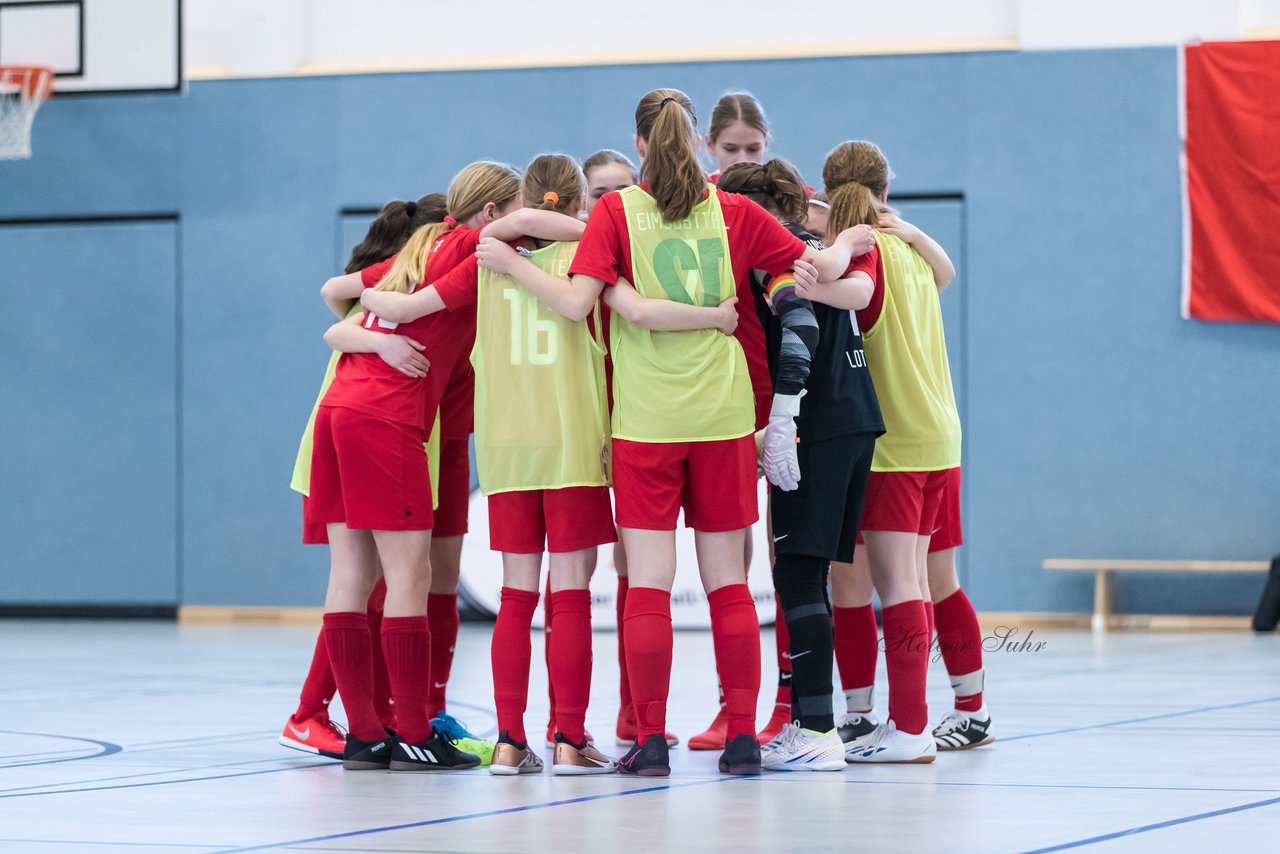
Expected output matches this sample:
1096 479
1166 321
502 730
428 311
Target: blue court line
1133 831
167 771
107 748
469 816
165 782
1166 716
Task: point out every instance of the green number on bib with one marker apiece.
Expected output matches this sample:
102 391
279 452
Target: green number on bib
681 265
540 336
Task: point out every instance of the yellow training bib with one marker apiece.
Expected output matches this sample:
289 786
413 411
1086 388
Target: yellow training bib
541 419
907 356
301 480
690 385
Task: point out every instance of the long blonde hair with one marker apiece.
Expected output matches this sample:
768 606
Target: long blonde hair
666 122
856 175
471 190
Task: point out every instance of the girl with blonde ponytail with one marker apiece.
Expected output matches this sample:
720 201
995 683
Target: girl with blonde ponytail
370 484
913 463
683 416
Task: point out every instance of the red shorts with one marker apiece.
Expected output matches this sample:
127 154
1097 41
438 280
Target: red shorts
454 478
947 532
367 472
555 520
906 501
715 483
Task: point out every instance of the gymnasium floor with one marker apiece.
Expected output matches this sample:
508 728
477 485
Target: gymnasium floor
156 737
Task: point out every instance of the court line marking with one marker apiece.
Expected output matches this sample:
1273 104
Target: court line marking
469 816
1160 825
169 771
165 782
107 748
1160 717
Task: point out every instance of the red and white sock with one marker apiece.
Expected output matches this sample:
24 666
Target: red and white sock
406 643
735 632
624 684
571 661
442 618
381 682
346 637
857 649
960 639
318 688
906 654
510 653
649 642
782 642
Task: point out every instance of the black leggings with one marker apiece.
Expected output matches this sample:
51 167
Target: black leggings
801 582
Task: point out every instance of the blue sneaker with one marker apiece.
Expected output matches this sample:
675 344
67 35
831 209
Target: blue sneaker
456 731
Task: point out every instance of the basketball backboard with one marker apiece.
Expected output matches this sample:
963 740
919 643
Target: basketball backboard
97 46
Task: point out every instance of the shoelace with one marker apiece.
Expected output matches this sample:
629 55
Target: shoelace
953 723
788 738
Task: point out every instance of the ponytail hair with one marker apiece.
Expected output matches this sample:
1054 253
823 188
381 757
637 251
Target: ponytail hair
471 190
391 229
553 182
666 122
776 186
856 175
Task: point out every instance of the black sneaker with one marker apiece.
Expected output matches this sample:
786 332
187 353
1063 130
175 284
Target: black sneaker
856 726
437 753
360 755
741 756
964 730
651 758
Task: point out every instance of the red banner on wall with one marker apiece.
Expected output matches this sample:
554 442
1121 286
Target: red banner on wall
1231 181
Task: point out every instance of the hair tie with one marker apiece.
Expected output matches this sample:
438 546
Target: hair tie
410 209
450 221
551 196
665 101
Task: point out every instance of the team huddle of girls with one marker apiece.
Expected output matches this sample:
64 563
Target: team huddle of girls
626 346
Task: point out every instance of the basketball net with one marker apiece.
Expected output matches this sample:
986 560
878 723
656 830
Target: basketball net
23 88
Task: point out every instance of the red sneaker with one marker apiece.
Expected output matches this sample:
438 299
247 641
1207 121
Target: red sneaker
627 728
714 737
316 734
781 717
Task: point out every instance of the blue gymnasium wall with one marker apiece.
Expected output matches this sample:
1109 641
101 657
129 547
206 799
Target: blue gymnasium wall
1097 422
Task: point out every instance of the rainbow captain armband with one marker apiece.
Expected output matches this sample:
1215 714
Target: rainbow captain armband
779 289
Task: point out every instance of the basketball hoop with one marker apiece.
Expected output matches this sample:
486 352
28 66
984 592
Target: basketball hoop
23 88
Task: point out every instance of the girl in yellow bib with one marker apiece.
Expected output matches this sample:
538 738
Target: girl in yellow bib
683 414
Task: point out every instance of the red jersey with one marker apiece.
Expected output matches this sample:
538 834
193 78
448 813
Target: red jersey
366 383
756 241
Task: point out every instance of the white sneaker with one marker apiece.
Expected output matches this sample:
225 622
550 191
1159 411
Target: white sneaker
964 730
800 749
855 727
889 744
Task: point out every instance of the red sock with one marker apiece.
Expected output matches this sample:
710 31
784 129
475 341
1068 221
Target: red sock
546 649
571 661
381 682
346 637
318 688
928 617
510 653
442 617
406 641
960 639
649 641
857 647
735 632
624 684
906 653
782 639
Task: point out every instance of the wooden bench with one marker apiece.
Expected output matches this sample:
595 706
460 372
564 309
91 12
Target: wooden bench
1105 570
